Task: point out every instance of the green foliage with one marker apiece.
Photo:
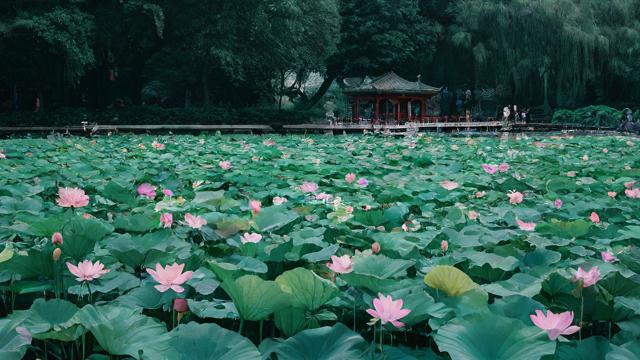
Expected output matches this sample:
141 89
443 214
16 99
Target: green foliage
589 116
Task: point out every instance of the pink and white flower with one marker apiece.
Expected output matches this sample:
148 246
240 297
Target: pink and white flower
341 265
555 324
277 200
588 278
388 310
449 185
86 270
147 190
166 219
72 197
526 226
250 238
504 167
156 145
308 187
350 177
194 221
608 257
515 197
170 277
225 165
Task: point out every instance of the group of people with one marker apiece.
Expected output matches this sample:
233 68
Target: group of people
511 113
627 124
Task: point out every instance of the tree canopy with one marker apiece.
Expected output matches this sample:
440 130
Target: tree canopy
181 53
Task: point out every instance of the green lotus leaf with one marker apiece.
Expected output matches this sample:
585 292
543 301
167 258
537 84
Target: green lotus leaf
195 341
449 279
124 331
13 344
254 298
325 343
273 218
306 289
592 348
488 336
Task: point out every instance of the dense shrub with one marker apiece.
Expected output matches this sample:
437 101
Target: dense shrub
600 115
143 115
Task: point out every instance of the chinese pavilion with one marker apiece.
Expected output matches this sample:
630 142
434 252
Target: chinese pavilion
388 98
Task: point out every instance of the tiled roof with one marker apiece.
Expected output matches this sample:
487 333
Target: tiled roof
388 83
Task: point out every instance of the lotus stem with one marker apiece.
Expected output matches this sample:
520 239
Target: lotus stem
581 316
381 337
241 325
89 290
354 312
261 323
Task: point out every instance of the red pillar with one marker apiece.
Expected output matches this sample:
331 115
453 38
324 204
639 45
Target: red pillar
423 109
398 111
377 108
357 109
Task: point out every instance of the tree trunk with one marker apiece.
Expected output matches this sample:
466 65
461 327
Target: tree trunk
205 87
281 90
326 84
547 107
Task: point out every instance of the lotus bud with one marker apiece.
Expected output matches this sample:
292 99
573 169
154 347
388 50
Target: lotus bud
180 305
375 247
444 246
56 254
56 238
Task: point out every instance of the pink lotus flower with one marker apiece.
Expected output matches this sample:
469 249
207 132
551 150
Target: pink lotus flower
585 157
555 324
588 278
279 200
480 194
308 187
629 184
86 216
571 174
612 194
255 206
363 182
608 257
525 226
2 155
56 238
195 222
515 197
147 190
170 277
324 196
504 167
156 145
72 197
539 144
633 193
388 310
167 192
594 217
86 270
166 219
375 247
250 238
340 265
444 246
557 203
489 169
449 185
225 165
605 150
473 215
348 209
350 177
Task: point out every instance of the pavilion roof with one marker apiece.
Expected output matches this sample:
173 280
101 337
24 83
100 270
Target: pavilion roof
389 83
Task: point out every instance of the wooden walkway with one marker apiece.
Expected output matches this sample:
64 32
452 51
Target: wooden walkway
346 127
101 129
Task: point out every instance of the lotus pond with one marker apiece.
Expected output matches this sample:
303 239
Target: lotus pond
346 247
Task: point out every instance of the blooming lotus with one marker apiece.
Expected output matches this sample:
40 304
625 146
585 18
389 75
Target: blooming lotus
166 219
308 187
2 155
324 196
363 182
388 310
279 200
588 278
375 247
170 277
86 270
557 203
585 157
571 174
167 192
255 206
225 165
350 177
250 238
629 184
504 167
449 185
340 265
555 324
56 238
480 194
515 197
632 193
608 257
156 145
147 190
605 150
489 169
72 197
525 226
473 215
195 222
594 217
612 194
